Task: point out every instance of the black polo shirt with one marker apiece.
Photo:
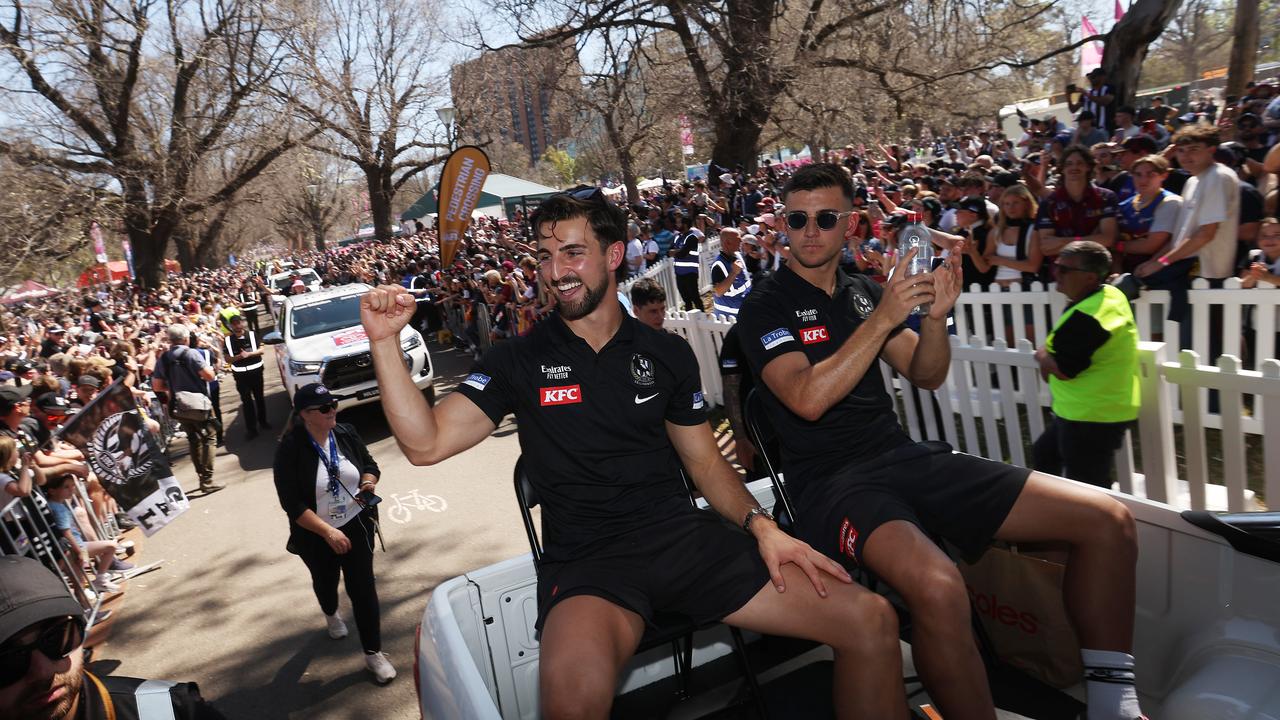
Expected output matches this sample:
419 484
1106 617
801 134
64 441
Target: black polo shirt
592 426
786 314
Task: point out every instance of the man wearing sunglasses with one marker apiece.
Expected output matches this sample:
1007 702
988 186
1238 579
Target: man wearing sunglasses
42 673
609 410
871 497
1091 362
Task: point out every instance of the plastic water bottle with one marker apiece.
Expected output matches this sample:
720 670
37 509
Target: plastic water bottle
915 236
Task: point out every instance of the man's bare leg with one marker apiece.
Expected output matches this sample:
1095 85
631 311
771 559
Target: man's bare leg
1099 586
860 627
586 641
942 643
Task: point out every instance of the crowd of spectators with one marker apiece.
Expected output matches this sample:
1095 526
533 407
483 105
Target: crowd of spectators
1144 183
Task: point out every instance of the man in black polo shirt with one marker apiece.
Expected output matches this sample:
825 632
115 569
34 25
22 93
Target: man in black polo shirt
867 494
608 411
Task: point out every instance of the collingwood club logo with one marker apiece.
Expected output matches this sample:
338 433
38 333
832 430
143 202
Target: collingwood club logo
642 371
862 304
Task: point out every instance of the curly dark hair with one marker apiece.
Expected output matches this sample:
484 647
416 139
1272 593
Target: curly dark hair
607 221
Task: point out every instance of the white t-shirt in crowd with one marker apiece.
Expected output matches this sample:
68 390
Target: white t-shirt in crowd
340 510
635 256
1213 196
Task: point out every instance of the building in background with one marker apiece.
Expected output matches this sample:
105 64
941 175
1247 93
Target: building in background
513 96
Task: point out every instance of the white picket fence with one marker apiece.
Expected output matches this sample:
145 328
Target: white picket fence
994 405
664 273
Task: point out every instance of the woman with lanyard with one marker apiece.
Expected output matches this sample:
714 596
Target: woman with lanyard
321 471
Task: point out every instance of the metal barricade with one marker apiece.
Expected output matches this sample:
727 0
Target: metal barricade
26 532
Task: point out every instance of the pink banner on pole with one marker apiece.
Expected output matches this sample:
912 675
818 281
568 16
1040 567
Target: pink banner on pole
1091 53
1119 11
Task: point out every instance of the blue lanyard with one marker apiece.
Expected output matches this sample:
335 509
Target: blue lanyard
330 463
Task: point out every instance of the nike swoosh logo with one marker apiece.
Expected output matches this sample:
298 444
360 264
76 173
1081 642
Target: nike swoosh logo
645 400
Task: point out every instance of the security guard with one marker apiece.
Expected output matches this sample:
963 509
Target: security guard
684 254
1091 362
729 278
246 367
43 675
247 296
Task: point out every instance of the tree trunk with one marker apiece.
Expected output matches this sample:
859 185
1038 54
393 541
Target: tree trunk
736 137
380 197
148 247
1244 47
1126 46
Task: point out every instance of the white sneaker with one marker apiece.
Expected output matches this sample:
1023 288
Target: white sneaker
337 628
381 668
103 584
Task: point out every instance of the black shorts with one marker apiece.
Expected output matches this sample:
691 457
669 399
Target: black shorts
693 567
963 498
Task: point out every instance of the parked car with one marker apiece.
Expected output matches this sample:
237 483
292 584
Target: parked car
1207 638
318 338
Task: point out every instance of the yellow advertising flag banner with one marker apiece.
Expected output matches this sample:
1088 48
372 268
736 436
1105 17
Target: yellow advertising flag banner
460 183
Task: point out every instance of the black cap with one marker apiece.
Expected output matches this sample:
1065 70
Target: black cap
90 380
10 396
312 395
31 593
52 404
1005 179
974 205
1140 144
1095 71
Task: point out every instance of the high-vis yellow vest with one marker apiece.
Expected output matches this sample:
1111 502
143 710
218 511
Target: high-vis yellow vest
1107 391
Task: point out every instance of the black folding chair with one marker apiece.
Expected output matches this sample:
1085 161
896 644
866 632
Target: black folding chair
667 629
766 441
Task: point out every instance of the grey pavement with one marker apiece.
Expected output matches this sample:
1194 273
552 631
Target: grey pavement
233 611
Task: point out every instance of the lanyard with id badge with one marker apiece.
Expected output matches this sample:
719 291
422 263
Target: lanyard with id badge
338 510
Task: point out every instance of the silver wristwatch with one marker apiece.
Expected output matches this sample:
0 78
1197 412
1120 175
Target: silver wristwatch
751 515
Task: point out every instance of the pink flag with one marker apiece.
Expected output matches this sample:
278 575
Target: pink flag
1091 53
1119 11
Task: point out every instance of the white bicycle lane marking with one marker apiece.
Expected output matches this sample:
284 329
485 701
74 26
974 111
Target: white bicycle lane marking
400 507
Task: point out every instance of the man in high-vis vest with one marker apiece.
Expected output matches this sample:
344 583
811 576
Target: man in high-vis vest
42 672
1091 362
729 278
245 356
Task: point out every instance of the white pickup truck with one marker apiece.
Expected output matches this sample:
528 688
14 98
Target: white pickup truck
1207 638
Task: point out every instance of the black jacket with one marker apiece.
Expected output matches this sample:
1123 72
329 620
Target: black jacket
295 475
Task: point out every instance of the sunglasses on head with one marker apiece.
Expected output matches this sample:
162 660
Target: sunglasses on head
827 219
55 642
587 194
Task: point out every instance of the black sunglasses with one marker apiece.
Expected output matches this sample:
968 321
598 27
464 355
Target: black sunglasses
55 642
827 219
325 408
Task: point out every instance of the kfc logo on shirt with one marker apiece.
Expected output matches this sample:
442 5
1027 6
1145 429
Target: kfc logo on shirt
564 395
813 335
848 544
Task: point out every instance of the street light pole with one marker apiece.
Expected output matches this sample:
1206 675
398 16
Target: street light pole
447 116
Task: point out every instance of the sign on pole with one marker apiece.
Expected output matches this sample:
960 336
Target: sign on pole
460 184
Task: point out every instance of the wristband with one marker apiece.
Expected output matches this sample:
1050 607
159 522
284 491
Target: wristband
751 515
1077 238
1164 260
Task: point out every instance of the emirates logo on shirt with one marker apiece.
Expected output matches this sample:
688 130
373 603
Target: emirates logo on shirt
813 335
564 395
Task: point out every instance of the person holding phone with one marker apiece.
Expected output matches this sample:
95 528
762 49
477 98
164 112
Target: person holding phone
325 478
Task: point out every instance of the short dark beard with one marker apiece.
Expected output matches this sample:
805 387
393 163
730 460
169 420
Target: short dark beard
591 299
